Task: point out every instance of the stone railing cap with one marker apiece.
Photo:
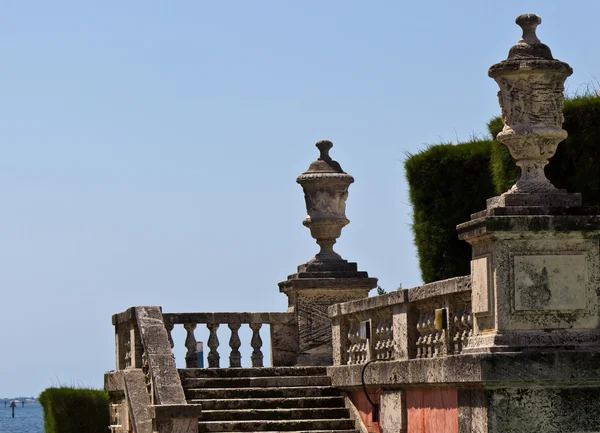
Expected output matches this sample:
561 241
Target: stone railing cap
419 293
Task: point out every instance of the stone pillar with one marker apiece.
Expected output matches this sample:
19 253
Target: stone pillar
535 267
326 279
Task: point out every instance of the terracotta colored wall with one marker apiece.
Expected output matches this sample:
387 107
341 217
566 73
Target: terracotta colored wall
432 410
366 410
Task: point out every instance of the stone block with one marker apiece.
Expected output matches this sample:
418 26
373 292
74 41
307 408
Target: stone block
480 285
393 412
550 282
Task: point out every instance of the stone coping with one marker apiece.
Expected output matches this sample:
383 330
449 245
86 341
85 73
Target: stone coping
415 294
523 224
283 318
353 283
126 316
498 370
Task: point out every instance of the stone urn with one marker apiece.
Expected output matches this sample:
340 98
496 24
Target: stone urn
325 187
531 85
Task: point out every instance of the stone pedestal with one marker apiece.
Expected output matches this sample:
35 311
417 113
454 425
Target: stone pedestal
535 269
535 278
311 291
327 278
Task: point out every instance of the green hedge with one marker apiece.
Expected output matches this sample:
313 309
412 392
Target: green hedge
447 183
576 164
71 410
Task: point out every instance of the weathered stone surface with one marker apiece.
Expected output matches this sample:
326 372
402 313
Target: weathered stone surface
113 381
393 412
472 410
266 399
167 385
228 317
499 370
184 425
165 411
547 410
540 280
138 400
365 304
480 285
251 372
284 344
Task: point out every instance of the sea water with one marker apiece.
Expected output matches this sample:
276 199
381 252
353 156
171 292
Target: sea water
28 419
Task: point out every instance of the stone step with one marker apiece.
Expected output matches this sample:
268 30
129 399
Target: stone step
252 372
304 391
274 414
279 425
308 431
270 403
256 382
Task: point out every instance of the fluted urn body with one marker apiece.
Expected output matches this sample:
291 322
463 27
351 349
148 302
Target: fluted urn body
325 187
531 85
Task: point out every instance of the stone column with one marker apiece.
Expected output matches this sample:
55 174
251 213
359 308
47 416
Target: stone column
326 279
535 267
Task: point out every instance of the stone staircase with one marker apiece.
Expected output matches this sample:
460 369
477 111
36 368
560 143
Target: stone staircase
290 399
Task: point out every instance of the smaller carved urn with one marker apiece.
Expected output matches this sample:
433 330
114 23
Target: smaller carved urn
531 85
325 187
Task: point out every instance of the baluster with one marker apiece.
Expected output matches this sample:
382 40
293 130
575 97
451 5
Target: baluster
169 327
457 338
256 343
213 345
190 343
419 342
429 339
127 353
468 329
352 342
389 344
235 358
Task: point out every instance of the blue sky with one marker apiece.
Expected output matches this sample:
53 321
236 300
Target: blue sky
149 150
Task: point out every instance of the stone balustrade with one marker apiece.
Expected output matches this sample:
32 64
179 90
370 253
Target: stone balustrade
283 331
403 325
145 390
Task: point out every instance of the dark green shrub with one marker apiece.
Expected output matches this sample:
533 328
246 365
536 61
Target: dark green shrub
447 183
71 410
576 164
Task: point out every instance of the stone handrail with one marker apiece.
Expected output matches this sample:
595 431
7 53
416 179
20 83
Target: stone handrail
402 324
145 390
284 336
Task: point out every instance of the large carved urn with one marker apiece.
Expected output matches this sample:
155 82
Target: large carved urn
531 85
325 187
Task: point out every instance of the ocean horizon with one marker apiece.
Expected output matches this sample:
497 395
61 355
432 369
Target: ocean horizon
28 419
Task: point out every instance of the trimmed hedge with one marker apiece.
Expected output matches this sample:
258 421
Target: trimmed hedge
71 410
447 183
576 164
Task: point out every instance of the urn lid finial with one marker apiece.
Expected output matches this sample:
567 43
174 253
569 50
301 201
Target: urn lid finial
324 146
529 22
324 164
529 46
529 53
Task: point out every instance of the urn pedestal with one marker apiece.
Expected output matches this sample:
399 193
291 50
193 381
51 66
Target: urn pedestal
326 279
535 269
